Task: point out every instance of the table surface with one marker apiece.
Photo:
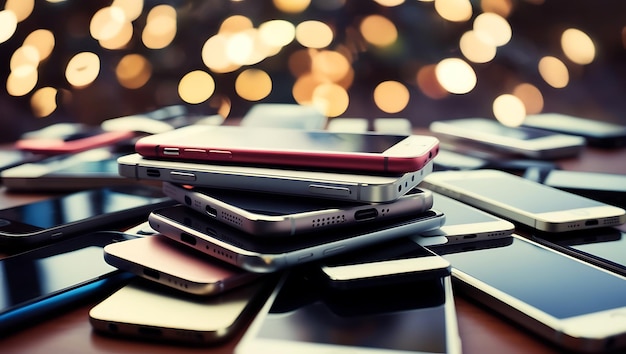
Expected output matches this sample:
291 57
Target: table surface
482 331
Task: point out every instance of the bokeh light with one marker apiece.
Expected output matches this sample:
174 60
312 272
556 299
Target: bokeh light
21 8
492 28
330 99
314 34
455 75
391 96
161 27
82 69
253 84
44 101
554 72
133 71
22 80
476 49
8 25
379 30
292 6
196 87
454 10
531 97
578 46
509 110
42 40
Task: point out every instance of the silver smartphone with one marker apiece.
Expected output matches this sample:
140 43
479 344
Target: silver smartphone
571 303
530 142
147 311
304 316
177 266
265 214
465 223
264 255
95 168
366 188
529 203
61 216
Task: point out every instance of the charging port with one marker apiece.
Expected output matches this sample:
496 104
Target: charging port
153 172
592 222
212 212
366 214
469 236
187 238
151 273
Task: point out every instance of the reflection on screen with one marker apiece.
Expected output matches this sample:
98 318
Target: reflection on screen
495 128
548 281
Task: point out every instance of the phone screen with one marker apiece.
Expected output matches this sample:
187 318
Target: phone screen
495 128
74 207
409 316
544 279
522 195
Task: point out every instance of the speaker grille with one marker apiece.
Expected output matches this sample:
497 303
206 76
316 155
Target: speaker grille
331 220
230 218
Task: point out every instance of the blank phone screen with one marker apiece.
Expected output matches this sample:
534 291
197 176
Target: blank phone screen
551 282
407 317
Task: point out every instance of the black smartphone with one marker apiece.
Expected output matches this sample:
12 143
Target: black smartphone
58 217
38 283
609 188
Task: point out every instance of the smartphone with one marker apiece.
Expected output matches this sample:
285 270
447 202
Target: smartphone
529 142
609 188
384 263
465 223
50 141
363 188
604 247
304 316
529 203
172 264
263 255
265 214
596 133
146 311
344 151
284 115
59 217
11 158
571 303
64 173
43 281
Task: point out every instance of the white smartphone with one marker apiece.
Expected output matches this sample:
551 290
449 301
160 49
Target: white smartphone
596 132
94 168
530 142
571 303
526 202
147 311
265 214
384 263
465 223
365 188
61 216
299 148
264 255
44 281
172 264
304 316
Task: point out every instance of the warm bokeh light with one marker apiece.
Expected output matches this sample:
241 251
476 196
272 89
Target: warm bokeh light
133 71
303 88
82 69
428 83
8 25
300 61
500 7
329 65
21 8
492 28
314 34
22 80
509 110
455 75
277 32
475 49
214 55
160 29
132 8
530 96
454 10
253 84
578 46
196 87
120 40
25 55
292 6
234 24
378 30
330 99
42 40
554 72
391 96
107 22
390 3
44 102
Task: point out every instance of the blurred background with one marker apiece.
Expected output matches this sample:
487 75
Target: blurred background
87 61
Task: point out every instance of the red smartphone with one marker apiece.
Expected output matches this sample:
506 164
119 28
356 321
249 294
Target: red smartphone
74 142
367 151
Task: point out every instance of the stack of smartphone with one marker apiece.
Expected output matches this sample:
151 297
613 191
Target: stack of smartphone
252 202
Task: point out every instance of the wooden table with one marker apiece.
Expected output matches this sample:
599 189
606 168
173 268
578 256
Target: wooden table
481 330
